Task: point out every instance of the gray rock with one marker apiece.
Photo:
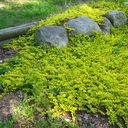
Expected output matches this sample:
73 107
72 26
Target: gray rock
51 35
125 3
1 61
19 94
86 116
82 25
117 18
106 27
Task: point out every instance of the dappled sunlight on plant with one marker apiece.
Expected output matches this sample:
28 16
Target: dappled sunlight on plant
90 72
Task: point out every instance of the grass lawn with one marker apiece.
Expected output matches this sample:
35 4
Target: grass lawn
17 12
89 74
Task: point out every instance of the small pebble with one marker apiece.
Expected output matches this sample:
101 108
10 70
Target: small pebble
79 119
67 120
86 115
96 116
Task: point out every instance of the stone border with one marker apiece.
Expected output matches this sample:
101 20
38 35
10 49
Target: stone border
13 32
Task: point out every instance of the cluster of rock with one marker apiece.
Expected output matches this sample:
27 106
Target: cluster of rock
57 35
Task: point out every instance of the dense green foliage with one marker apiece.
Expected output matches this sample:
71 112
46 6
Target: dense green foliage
88 74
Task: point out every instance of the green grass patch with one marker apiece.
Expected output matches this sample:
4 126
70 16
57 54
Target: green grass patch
88 74
8 122
12 14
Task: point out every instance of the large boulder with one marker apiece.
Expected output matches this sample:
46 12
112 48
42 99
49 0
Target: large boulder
51 35
106 27
117 18
82 25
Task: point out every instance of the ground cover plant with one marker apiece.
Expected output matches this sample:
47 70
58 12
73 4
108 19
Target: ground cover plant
89 74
